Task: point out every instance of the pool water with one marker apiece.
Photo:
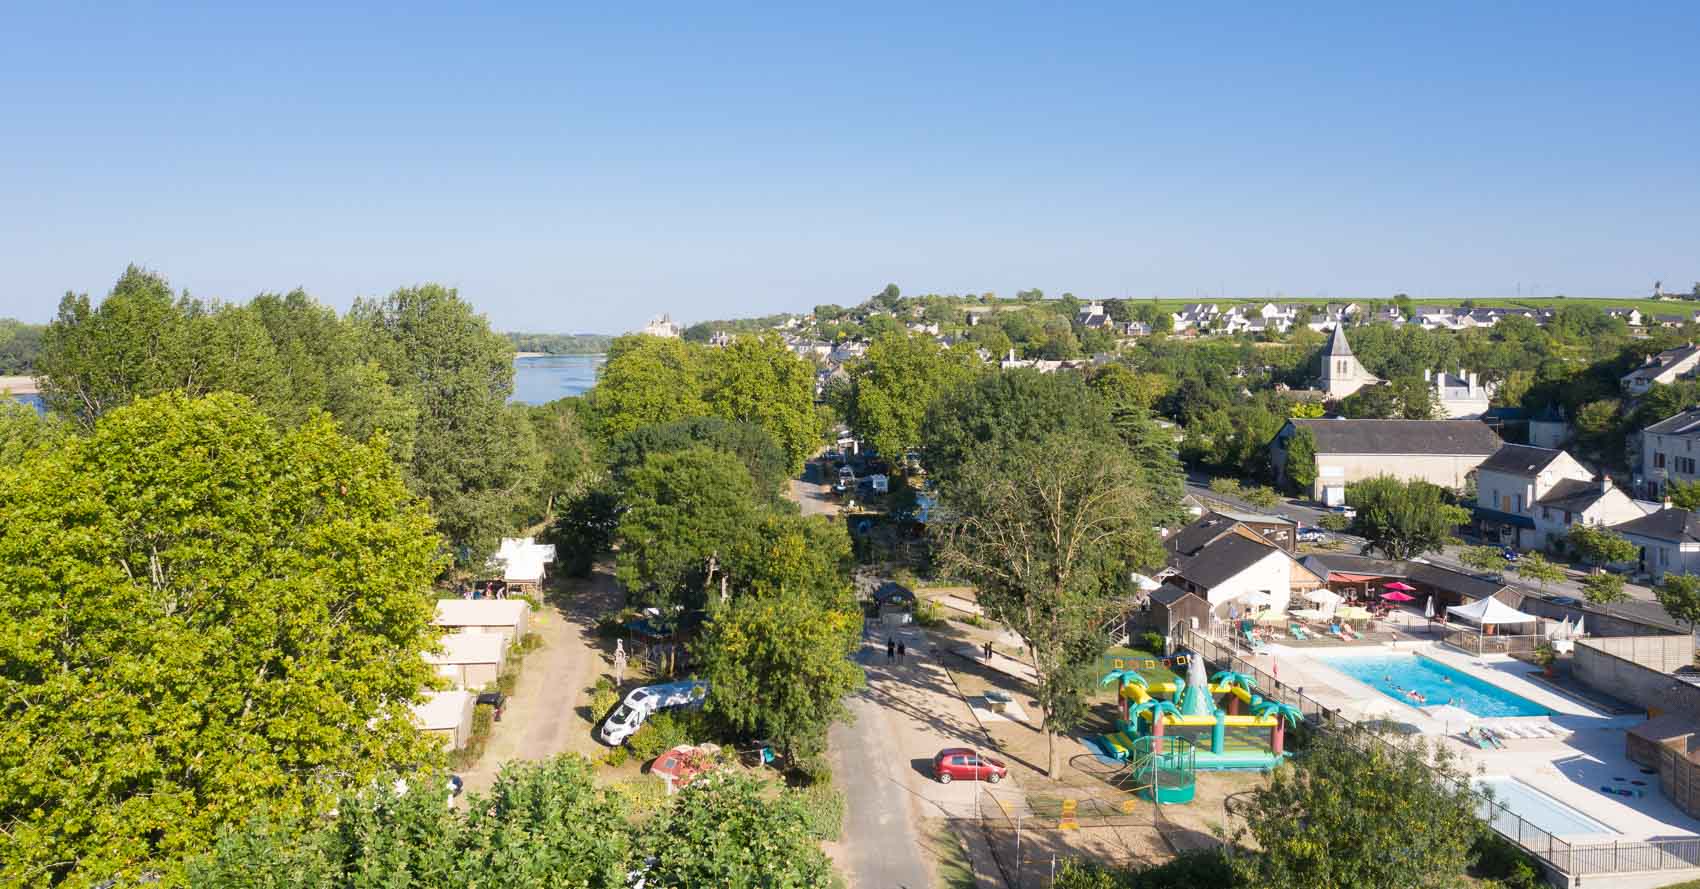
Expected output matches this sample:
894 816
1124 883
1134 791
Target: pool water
1395 675
1534 807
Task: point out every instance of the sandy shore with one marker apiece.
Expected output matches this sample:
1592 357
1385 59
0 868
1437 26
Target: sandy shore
19 385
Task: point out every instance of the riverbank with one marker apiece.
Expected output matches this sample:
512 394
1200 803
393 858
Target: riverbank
19 385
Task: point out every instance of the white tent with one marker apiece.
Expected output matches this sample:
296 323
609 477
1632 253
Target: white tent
1322 596
1257 598
1578 632
1490 612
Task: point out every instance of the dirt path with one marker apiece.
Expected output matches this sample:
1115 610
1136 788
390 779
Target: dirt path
542 717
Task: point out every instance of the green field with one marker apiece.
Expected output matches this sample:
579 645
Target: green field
1647 306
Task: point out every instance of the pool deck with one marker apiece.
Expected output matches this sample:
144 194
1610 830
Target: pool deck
1570 769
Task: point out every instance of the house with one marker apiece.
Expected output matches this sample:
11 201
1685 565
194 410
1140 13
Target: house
469 660
1668 452
1093 317
662 326
1444 452
447 715
1669 540
1528 497
1237 565
924 329
524 562
1388 315
1342 375
504 617
1631 316
1167 610
1136 328
1666 367
1461 396
975 313
1213 523
1548 428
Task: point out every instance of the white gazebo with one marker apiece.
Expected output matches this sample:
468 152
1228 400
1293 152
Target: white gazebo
1488 625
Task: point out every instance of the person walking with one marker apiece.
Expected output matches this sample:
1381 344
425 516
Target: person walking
988 652
900 652
890 650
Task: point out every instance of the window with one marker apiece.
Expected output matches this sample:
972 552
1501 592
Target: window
1658 459
1519 503
1684 465
1546 514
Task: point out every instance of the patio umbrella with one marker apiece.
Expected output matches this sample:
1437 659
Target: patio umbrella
1257 599
1428 608
1353 612
1397 596
1323 596
1401 586
1578 631
1271 617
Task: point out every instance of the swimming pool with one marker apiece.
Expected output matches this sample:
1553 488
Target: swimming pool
1396 675
1534 807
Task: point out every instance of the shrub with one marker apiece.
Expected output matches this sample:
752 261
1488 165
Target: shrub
613 624
1152 642
615 757
1227 487
823 811
658 734
1261 496
1333 521
642 795
483 719
602 702
1497 859
928 614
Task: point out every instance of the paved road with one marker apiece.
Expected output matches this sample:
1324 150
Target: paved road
813 497
880 828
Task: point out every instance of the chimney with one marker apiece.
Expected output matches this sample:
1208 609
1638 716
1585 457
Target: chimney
1605 483
1472 379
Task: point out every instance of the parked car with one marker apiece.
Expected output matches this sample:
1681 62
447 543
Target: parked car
963 764
1346 512
1312 535
1565 600
497 702
846 474
1509 555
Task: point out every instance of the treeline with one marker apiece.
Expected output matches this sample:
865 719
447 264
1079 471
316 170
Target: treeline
560 343
19 345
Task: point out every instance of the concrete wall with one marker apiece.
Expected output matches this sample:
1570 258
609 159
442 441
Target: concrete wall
1665 654
1653 690
1446 470
1598 624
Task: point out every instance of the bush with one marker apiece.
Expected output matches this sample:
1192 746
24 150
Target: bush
1333 521
928 614
615 757
1189 870
658 734
1497 859
612 624
1227 487
483 719
1261 496
823 811
1153 643
641 795
602 702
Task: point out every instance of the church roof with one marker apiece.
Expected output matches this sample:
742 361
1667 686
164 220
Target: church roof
1337 345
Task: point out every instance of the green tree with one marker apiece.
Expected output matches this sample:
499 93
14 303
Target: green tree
570 466
1679 596
892 386
646 381
472 454
757 380
1485 559
1049 531
1535 567
1683 495
250 604
1604 588
22 430
1598 545
753 447
1300 467
1404 519
688 516
779 667
732 830
1356 815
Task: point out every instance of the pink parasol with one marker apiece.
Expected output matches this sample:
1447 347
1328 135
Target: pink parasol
1397 596
1401 586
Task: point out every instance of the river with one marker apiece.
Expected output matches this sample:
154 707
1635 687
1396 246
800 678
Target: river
541 379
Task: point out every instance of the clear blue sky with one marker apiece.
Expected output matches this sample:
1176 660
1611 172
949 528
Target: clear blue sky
579 170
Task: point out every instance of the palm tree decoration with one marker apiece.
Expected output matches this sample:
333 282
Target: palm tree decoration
1157 711
1122 678
1245 681
1282 714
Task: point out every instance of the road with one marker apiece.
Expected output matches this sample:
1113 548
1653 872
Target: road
813 497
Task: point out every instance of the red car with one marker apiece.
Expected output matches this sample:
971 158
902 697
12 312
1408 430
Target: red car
961 763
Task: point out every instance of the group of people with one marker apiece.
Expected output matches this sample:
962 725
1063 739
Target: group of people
1411 694
894 650
492 589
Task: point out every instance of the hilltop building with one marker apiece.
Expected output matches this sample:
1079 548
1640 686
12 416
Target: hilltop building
663 326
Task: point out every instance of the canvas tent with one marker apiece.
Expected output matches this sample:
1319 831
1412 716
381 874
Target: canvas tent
1490 612
524 562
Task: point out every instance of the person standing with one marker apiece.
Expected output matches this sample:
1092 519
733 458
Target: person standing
900 651
890 650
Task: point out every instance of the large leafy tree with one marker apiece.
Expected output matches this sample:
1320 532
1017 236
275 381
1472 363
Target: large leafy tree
208 617
893 385
472 454
1679 595
753 447
543 825
1301 460
689 515
1600 545
732 830
1049 531
779 668
648 380
1404 519
757 380
1356 815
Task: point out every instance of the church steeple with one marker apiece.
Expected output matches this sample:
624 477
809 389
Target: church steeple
1341 373
1337 345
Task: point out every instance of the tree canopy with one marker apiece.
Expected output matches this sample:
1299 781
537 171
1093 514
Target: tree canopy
893 385
1404 519
208 616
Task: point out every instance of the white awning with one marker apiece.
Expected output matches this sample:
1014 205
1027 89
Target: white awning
1322 596
1490 612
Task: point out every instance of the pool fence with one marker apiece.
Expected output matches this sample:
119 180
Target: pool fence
1571 865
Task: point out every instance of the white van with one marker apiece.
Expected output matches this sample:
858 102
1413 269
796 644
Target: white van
629 716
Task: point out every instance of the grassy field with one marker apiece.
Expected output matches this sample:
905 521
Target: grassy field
1647 306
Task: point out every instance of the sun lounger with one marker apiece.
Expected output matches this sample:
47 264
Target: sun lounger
1298 632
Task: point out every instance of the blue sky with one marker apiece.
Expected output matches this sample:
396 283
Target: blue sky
575 169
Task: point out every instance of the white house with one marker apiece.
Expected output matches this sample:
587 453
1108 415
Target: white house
1239 565
1669 540
504 617
469 660
1443 452
1529 497
447 715
1666 367
1461 396
1548 428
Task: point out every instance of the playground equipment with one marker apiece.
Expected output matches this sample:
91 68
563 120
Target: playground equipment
1248 733
1166 775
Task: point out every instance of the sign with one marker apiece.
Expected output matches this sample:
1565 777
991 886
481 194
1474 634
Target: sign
1068 820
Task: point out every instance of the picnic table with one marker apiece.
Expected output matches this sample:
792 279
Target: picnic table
997 701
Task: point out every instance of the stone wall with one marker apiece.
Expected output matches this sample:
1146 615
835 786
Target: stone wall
1617 667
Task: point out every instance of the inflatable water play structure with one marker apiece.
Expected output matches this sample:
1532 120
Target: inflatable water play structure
1221 723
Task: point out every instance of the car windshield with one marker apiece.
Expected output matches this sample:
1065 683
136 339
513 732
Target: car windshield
621 715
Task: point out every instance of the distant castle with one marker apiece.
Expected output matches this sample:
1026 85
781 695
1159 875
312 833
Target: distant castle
662 326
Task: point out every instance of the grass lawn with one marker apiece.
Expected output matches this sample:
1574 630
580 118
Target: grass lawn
1159 673
949 856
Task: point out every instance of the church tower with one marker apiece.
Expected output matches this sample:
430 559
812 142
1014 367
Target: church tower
1341 373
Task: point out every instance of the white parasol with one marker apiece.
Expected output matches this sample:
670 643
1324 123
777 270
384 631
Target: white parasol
1577 632
1428 608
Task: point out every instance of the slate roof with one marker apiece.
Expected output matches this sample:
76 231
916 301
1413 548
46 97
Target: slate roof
1662 362
1401 436
1169 594
1521 460
1222 559
1337 345
1685 423
1573 495
1669 523
1192 538
1466 585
